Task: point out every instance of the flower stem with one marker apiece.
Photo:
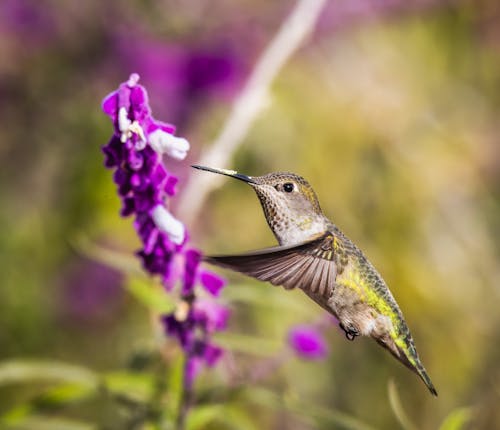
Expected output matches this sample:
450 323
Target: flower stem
186 396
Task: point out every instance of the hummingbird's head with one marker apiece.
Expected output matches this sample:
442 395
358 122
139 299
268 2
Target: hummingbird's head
290 204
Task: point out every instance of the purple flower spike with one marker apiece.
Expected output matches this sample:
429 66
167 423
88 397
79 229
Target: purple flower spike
135 152
307 342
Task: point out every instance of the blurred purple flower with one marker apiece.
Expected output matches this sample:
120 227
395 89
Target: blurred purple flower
90 291
145 185
30 20
211 315
212 69
193 324
308 342
204 353
186 75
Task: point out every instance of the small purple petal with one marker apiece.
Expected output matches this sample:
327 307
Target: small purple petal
110 105
211 315
136 181
193 368
147 199
151 160
308 342
159 175
122 179
193 258
151 242
212 354
135 160
155 125
138 97
123 97
213 283
157 261
145 226
113 152
133 79
182 330
170 184
174 273
128 207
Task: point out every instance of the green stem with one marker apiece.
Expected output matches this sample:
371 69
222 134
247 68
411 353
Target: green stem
186 397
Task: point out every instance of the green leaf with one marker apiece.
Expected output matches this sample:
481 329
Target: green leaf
16 415
175 387
397 408
339 419
239 419
150 295
327 416
79 384
457 419
201 416
17 371
221 416
41 422
138 284
132 386
61 395
248 344
65 394
123 262
263 295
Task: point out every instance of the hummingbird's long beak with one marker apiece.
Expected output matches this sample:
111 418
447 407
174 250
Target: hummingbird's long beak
231 173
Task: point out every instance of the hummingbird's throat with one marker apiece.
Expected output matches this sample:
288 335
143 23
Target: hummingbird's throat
289 229
299 230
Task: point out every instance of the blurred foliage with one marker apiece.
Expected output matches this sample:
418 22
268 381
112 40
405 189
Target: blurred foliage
390 111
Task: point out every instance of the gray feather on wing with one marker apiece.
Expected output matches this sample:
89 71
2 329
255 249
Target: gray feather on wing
309 265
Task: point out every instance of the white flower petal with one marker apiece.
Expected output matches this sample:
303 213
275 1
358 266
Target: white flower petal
164 220
166 143
123 121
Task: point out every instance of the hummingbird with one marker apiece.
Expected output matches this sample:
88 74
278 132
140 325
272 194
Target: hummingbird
316 257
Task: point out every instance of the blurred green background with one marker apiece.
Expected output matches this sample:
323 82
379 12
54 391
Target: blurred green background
390 111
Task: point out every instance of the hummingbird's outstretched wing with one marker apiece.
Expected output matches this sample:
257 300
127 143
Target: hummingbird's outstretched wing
309 265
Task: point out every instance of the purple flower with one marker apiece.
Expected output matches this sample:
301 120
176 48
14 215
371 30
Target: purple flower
135 152
204 353
29 22
308 342
211 315
192 261
90 292
144 184
212 282
193 324
190 74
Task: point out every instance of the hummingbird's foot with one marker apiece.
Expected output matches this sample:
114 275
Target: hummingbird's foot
350 332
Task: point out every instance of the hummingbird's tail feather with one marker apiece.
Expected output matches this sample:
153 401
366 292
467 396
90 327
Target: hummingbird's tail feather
426 378
410 360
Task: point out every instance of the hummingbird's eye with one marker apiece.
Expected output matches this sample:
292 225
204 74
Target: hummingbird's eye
288 187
